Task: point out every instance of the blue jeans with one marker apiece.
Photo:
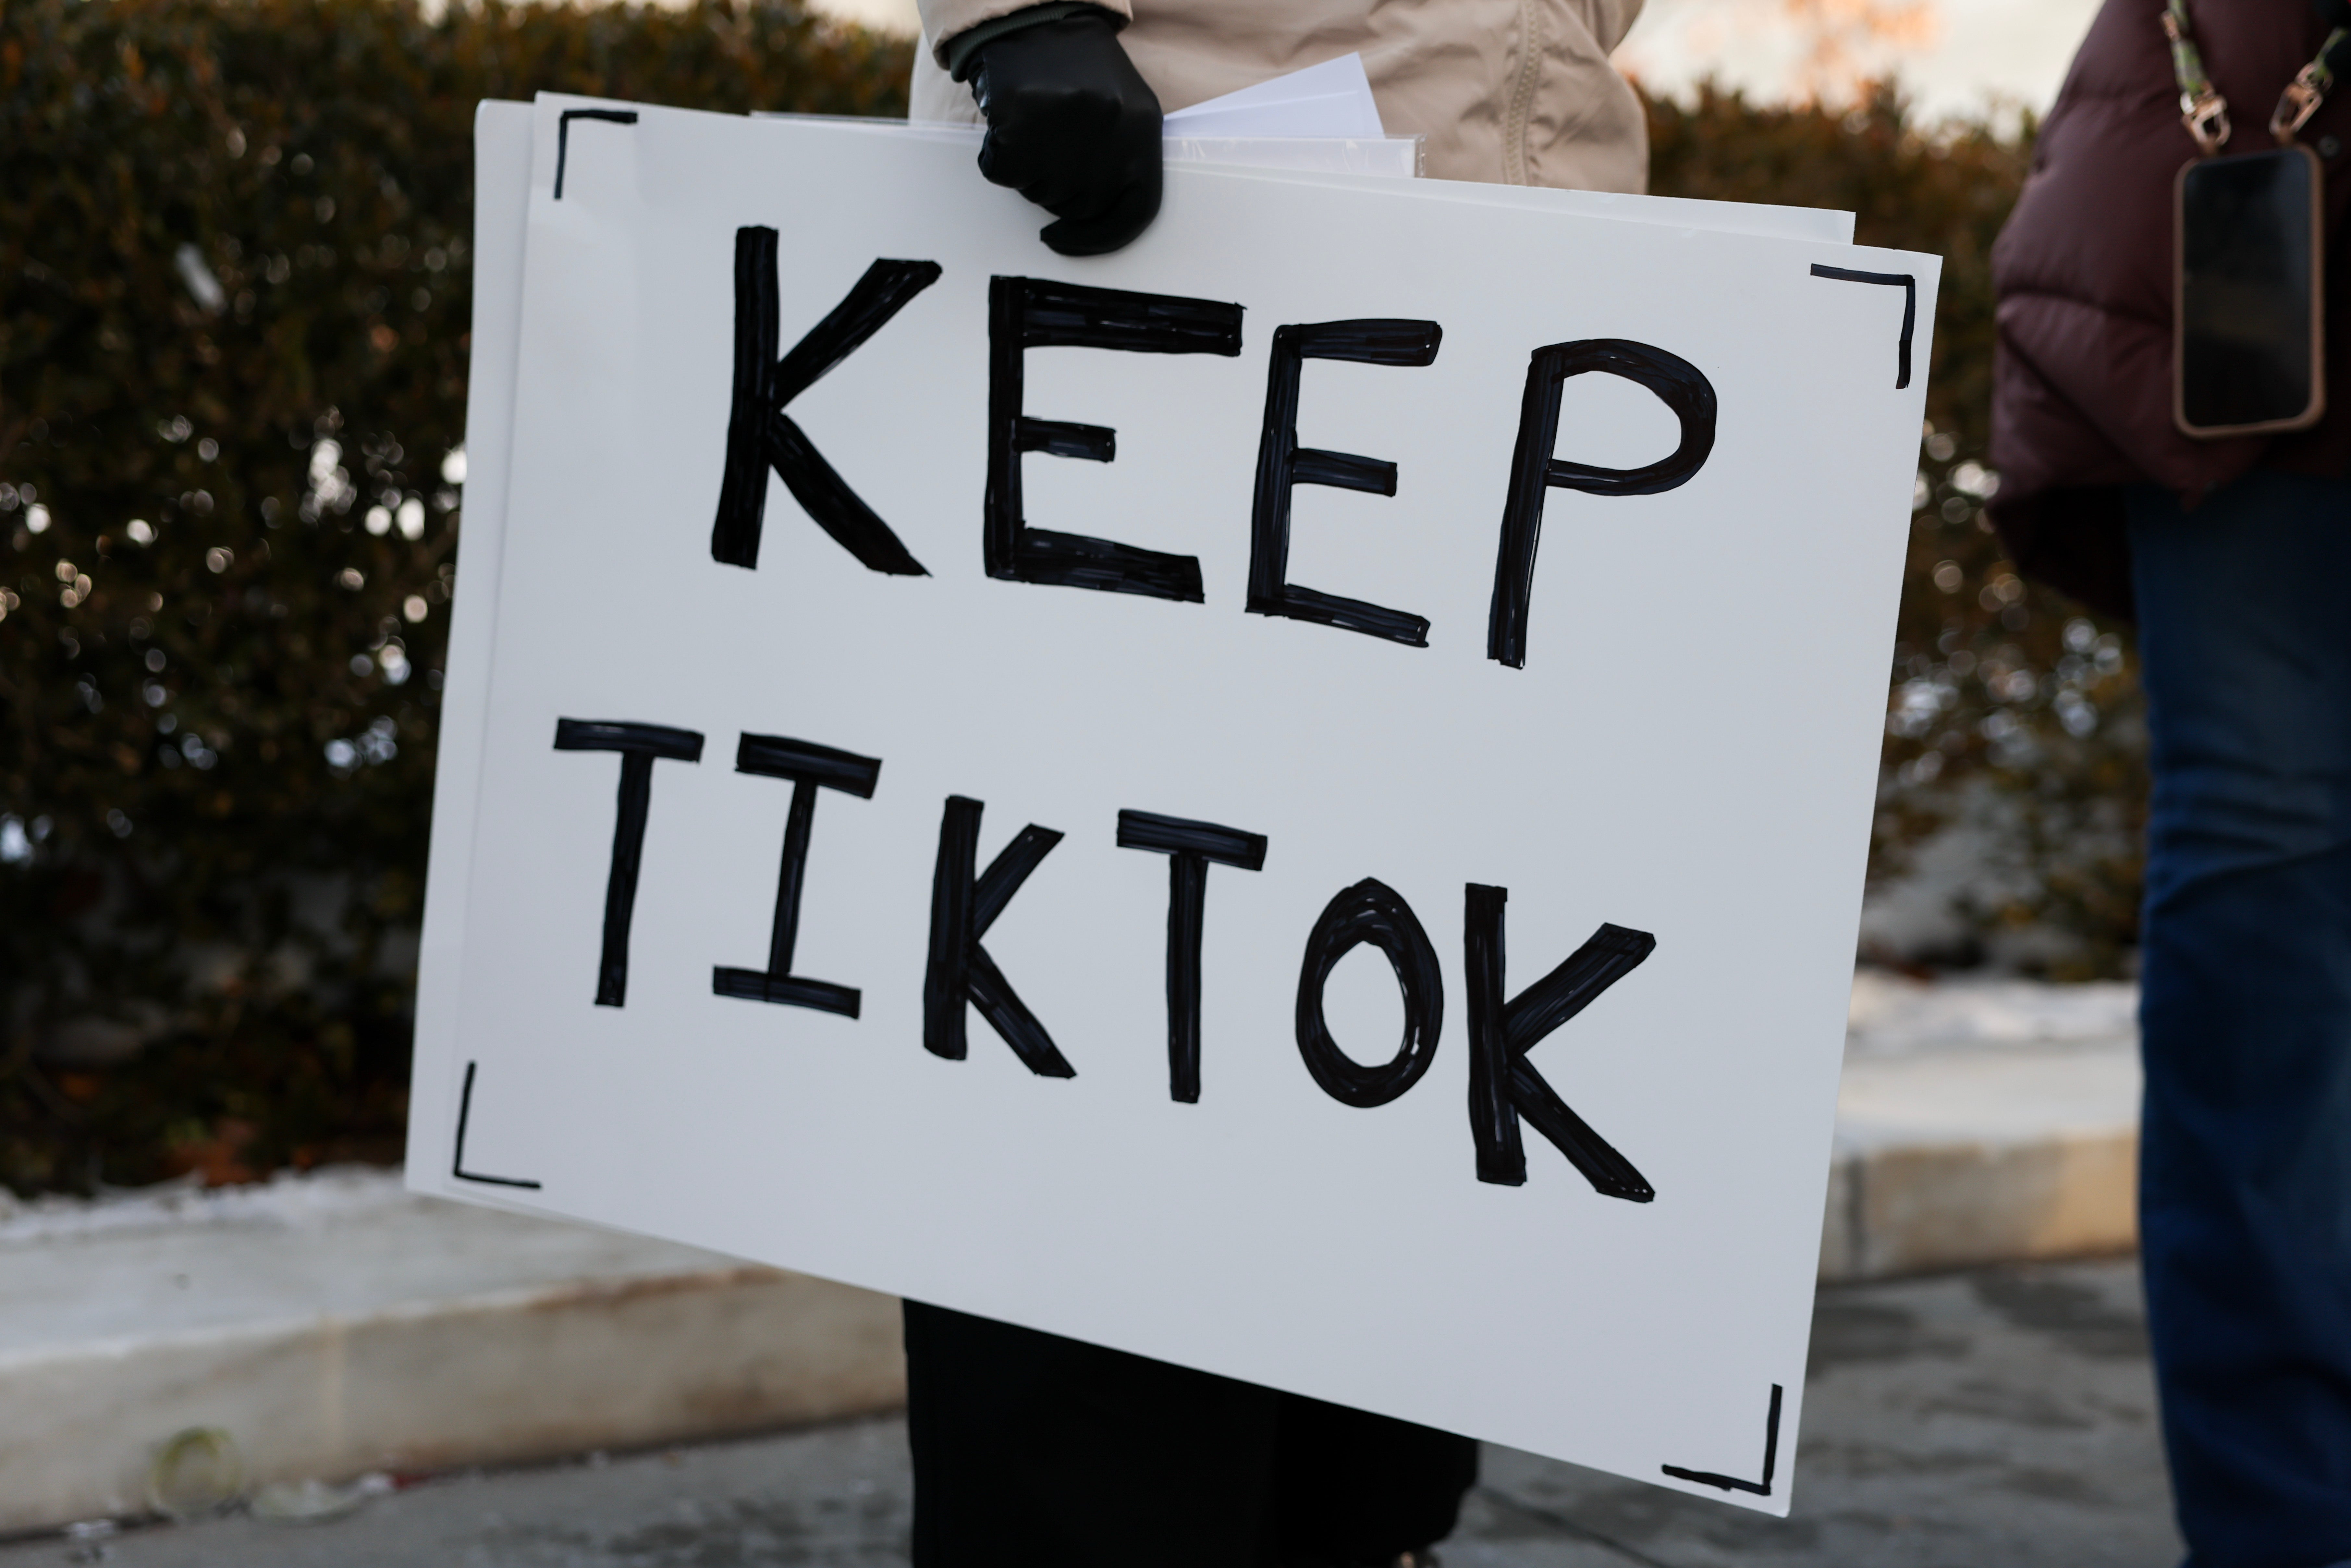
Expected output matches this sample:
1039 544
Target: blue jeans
2245 1176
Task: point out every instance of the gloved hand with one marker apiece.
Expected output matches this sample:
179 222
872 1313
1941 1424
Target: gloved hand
1072 126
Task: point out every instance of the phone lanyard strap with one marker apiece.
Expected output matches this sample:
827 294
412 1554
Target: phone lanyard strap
2202 107
2206 113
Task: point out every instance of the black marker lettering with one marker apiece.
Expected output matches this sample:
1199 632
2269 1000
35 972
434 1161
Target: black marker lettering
1370 911
1189 846
639 744
1503 1085
1025 313
760 435
810 768
1282 464
963 906
1680 385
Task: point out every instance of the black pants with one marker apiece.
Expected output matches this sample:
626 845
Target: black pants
1042 1452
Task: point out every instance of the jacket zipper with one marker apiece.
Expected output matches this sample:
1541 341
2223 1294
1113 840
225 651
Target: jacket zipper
1523 95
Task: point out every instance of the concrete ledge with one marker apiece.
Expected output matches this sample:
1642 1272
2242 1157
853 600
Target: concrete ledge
335 1325
1983 1123
1909 1211
399 1333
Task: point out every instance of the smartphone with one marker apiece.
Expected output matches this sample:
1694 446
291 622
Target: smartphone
2249 329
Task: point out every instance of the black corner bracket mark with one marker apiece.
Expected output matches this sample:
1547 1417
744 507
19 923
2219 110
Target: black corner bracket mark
1909 286
760 435
639 744
1732 1483
563 133
457 1159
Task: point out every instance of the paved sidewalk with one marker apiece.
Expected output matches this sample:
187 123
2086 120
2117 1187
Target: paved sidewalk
1999 1416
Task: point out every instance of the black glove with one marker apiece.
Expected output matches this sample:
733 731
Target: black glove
1072 126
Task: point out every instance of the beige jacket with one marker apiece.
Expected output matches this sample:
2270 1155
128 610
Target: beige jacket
1514 93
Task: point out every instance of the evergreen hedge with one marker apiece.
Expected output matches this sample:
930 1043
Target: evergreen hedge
2014 760
232 314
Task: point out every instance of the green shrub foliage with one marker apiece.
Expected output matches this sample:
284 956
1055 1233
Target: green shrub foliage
234 305
2013 777
233 349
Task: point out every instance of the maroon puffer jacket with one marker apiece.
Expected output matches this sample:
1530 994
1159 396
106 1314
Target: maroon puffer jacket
2082 379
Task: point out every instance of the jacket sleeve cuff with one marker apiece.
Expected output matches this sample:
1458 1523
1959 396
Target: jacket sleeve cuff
957 28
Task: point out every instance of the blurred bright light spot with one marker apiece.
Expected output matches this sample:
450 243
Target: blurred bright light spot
202 287
414 608
1975 479
141 531
219 558
412 518
1952 56
898 17
378 520
37 518
350 577
1923 770
16 849
375 742
453 467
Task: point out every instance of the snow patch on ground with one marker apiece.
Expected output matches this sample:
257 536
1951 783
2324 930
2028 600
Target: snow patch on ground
290 1199
1895 1016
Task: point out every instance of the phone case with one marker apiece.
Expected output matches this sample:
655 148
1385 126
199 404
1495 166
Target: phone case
2316 407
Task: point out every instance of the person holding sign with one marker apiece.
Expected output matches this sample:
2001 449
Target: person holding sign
1071 92
2167 449
1038 1450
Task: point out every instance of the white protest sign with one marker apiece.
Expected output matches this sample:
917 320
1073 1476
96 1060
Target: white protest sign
1292 799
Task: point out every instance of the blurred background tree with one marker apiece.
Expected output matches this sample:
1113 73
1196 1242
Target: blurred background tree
233 349
234 305
2012 796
